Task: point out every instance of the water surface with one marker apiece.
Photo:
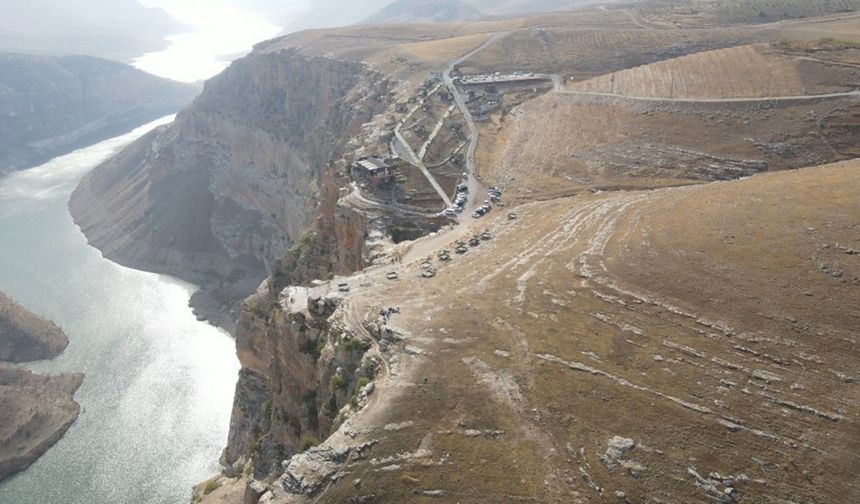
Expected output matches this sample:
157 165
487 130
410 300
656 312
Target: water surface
159 384
221 30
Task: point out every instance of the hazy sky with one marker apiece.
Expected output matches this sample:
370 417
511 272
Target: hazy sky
197 12
221 29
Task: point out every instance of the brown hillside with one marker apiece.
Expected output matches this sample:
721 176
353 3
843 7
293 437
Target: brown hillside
706 325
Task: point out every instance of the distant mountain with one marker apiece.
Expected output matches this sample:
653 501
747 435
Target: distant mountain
114 29
510 7
419 11
329 13
51 104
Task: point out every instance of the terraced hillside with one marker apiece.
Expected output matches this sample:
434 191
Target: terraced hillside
735 72
580 54
561 143
742 11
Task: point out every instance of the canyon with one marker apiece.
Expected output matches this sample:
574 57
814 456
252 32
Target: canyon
660 306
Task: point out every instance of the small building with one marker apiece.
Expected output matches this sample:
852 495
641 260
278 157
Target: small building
378 171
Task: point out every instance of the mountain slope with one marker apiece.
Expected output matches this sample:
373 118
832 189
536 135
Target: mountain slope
420 11
222 193
115 29
50 105
713 312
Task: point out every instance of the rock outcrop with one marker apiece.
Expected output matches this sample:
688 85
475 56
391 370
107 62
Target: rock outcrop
25 336
221 194
52 105
35 410
303 372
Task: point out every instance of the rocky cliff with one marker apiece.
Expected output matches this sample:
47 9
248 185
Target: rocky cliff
24 336
221 194
52 105
302 372
35 410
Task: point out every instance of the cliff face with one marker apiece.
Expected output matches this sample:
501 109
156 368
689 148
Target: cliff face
220 195
51 105
302 370
299 366
35 410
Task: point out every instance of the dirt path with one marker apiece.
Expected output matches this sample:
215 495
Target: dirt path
475 186
786 99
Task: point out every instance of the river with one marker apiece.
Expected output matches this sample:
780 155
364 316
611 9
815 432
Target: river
159 384
219 31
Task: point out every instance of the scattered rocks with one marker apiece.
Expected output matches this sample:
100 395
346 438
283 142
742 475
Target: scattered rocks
718 487
617 449
428 270
254 490
414 351
618 446
490 434
846 378
307 473
393 427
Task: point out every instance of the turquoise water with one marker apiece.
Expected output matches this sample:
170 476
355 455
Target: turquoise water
159 384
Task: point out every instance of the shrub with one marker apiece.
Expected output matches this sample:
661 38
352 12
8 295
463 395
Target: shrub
211 486
337 382
361 383
309 442
357 345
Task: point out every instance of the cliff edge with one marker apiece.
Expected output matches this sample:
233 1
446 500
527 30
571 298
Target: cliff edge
222 193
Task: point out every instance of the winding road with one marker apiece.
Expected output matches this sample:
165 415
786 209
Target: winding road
475 186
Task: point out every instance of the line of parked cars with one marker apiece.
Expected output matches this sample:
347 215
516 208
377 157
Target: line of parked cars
459 202
495 198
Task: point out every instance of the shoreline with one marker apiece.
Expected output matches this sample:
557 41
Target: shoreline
36 410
